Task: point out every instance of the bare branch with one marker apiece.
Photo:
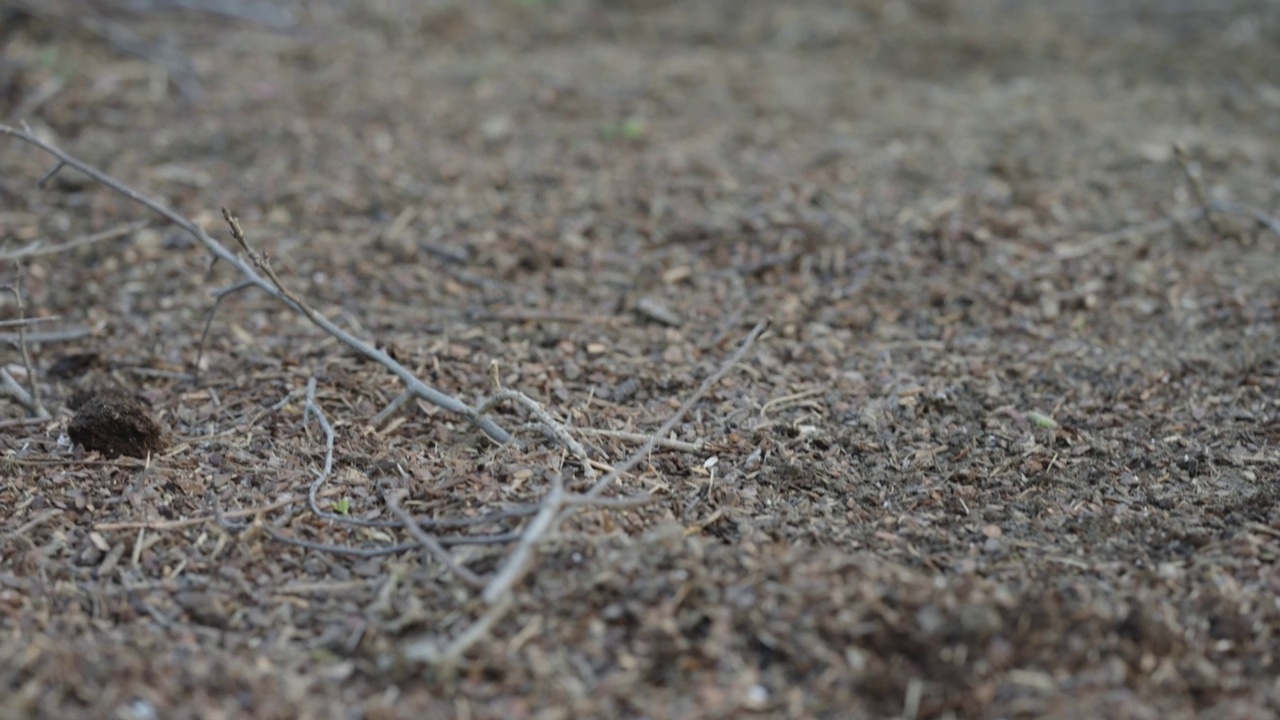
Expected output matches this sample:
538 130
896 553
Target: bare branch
1072 251
641 438
32 400
427 650
219 296
429 543
10 387
514 568
26 322
50 336
391 409
556 507
1192 173
626 465
556 429
38 248
1271 222
246 267
310 409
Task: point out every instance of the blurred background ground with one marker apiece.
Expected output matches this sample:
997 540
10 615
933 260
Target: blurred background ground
995 459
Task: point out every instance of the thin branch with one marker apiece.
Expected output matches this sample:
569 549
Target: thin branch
219 296
314 492
427 650
38 248
499 588
419 388
614 503
1072 251
559 505
391 409
45 178
1271 222
671 422
32 403
429 543
679 445
310 409
39 519
1197 188
50 336
223 522
26 322
283 502
21 422
339 549
385 549
557 430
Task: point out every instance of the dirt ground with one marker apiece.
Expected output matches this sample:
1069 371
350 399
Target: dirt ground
1009 449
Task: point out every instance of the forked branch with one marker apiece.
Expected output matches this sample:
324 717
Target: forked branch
252 275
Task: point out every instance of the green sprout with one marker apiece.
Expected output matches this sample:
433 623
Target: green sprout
1042 420
343 506
632 129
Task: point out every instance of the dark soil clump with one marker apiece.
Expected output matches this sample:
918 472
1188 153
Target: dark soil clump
114 423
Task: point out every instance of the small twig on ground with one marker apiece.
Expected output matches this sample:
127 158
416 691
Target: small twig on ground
247 269
791 400
378 551
26 322
556 429
382 550
428 543
518 562
427 650
20 422
547 316
670 444
277 288
314 493
38 248
39 519
1072 251
219 296
728 365
189 522
391 409
311 408
614 503
514 568
50 336
1271 222
221 518
1192 174
31 398
557 506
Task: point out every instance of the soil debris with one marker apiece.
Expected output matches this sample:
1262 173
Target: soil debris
113 422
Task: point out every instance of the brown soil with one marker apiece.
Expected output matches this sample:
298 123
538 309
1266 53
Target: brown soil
994 459
114 423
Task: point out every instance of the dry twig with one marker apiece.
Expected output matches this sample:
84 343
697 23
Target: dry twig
270 285
30 397
1192 173
39 248
429 543
50 336
668 443
218 297
557 506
